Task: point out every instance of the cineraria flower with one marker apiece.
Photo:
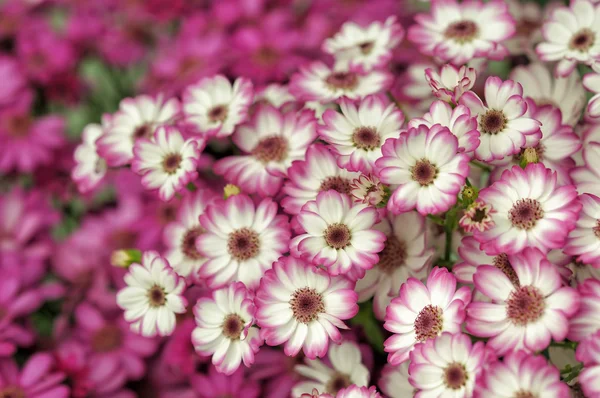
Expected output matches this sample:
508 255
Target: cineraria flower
224 328
447 365
584 240
521 374
318 173
472 257
136 118
368 190
358 133
346 369
422 312
459 32
394 381
338 235
477 216
166 162
355 391
587 319
502 122
404 255
38 378
458 120
591 82
588 352
241 240
216 106
451 82
572 36
530 209
303 307
425 164
271 141
526 313
89 168
366 47
152 297
318 82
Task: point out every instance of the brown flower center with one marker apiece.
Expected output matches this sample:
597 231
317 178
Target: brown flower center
525 394
157 296
366 47
492 122
337 382
429 323
218 113
455 376
337 236
171 163
339 184
525 305
271 149
266 56
424 172
462 31
107 339
18 126
143 131
188 243
596 229
366 138
233 326
525 213
342 80
501 262
306 304
243 244
583 40
392 256
12 392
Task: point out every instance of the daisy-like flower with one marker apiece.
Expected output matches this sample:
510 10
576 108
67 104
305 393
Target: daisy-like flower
180 235
224 328
346 369
368 190
358 133
502 122
572 36
394 381
318 82
152 297
530 209
591 82
241 240
272 141
450 83
355 391
525 314
539 84
521 374
472 257
90 168
528 18
425 164
459 32
366 47
136 118
318 173
458 120
447 365
303 307
587 319
405 255
338 235
166 162
38 378
422 312
215 106
478 216
584 240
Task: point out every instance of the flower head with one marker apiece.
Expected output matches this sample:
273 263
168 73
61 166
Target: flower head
90 168
367 189
451 82
477 217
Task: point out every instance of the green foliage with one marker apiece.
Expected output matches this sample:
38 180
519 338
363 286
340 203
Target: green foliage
371 326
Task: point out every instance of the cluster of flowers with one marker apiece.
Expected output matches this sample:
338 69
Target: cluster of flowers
299 199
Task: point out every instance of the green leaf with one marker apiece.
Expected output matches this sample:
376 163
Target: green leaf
371 326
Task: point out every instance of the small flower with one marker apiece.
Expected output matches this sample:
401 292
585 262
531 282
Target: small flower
224 328
154 294
394 381
451 82
38 378
89 168
584 240
368 190
586 321
216 106
422 312
591 82
303 307
338 235
425 164
477 216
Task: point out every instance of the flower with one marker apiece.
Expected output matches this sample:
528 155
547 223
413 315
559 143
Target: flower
166 162
451 82
346 369
215 106
37 378
274 94
586 177
271 142
530 210
358 133
422 312
368 190
589 353
425 164
394 381
90 168
472 257
303 307
586 322
15 82
241 241
591 82
215 384
136 118
152 297
459 32
526 313
338 235
502 122
224 328
355 391
584 240
477 216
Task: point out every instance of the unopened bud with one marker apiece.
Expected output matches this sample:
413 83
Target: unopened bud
231 190
123 258
530 155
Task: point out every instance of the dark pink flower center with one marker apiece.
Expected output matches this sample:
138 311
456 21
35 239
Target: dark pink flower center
339 184
429 323
12 392
525 305
596 229
337 382
501 262
157 296
366 47
188 243
306 304
233 326
392 256
424 172
338 236
583 40
107 338
455 376
342 80
243 244
218 113
462 31
525 213
171 163
143 131
492 122
366 138
271 149
18 126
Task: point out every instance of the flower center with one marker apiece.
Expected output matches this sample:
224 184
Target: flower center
171 163
429 323
337 236
455 376
525 213
339 184
233 326
424 172
583 40
366 47
18 126
107 339
366 138
596 229
525 305
342 80
525 394
462 31
12 392
122 239
501 262
143 131
157 296
337 382
266 56
392 256
188 243
218 113
306 304
526 27
492 122
271 149
243 244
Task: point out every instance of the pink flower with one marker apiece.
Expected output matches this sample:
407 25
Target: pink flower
303 307
591 82
526 313
214 384
586 321
355 391
422 312
588 352
425 164
472 257
36 379
368 190
451 82
90 168
477 216
584 241
14 85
